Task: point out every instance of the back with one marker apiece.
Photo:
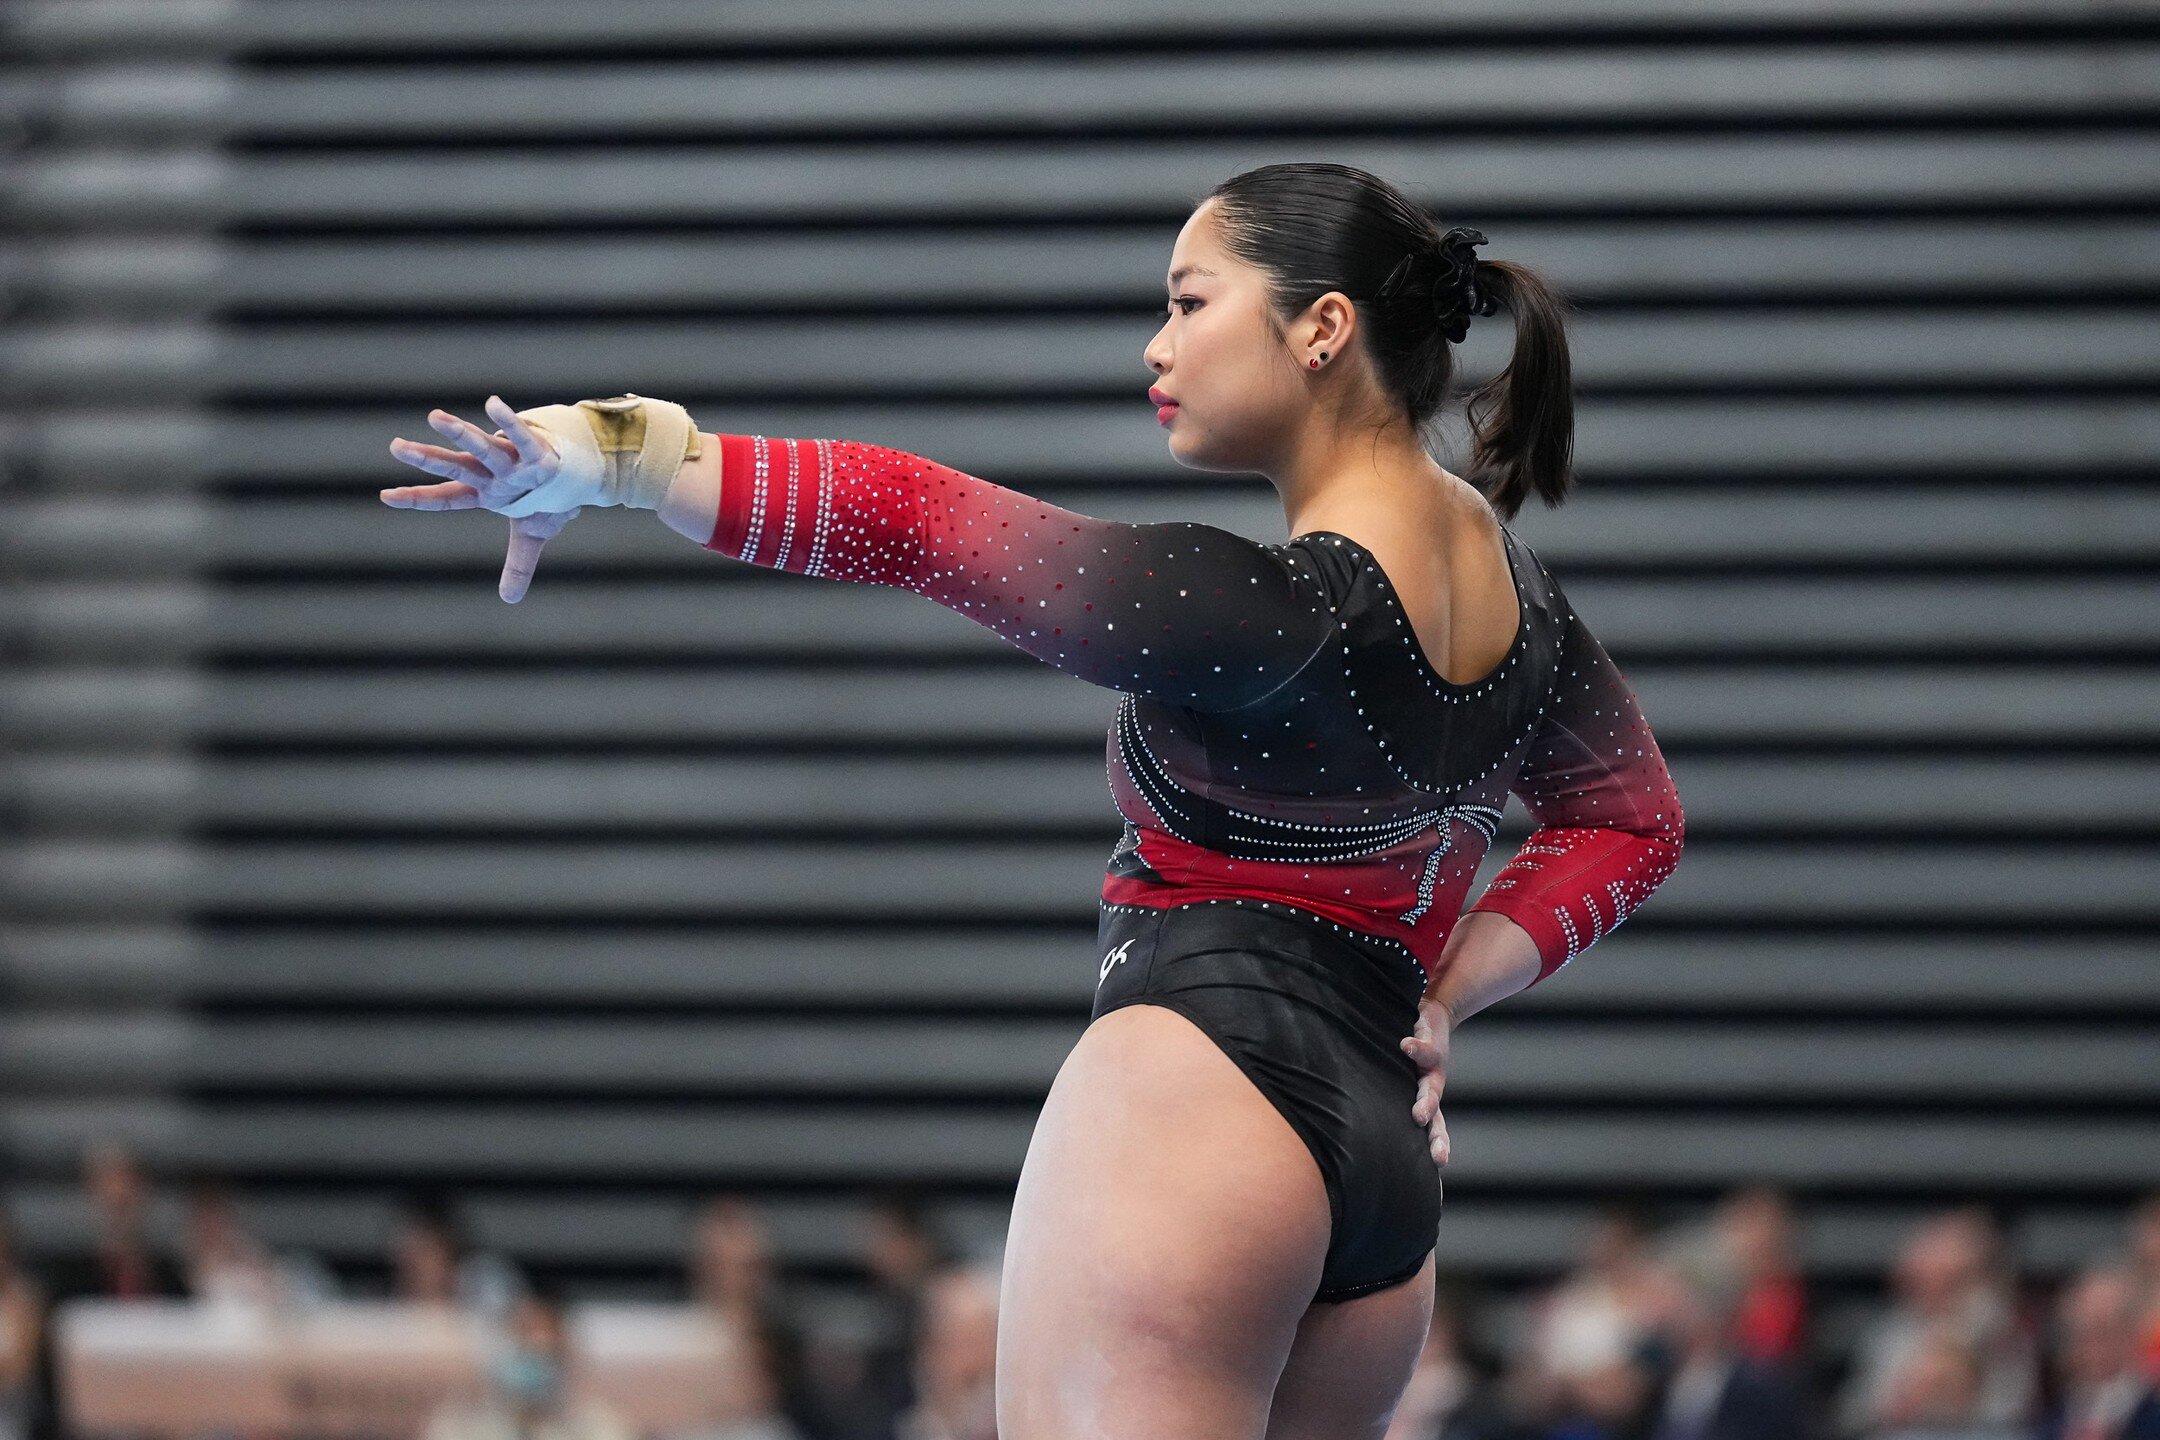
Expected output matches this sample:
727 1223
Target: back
1368 786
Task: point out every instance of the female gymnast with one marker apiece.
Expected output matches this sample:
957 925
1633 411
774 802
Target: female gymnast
1225 1222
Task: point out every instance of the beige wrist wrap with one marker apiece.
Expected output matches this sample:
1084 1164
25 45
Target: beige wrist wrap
620 451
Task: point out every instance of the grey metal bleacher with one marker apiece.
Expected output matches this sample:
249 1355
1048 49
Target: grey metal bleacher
1868 351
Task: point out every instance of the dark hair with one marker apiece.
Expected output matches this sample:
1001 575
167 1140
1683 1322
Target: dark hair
908 1206
433 1210
1315 227
545 1290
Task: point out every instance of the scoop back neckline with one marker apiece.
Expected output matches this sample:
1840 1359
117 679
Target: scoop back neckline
1416 647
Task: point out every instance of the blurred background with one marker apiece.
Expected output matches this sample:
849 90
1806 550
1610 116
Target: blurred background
373 950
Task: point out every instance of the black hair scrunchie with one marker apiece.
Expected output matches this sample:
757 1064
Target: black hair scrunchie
1456 295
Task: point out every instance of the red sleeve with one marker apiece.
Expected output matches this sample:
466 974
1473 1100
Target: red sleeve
1609 822
1183 612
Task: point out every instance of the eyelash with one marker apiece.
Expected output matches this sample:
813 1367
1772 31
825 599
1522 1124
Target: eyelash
1184 300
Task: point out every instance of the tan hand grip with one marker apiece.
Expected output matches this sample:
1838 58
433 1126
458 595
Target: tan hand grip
620 451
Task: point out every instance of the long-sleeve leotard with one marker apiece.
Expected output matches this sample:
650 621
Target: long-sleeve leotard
1243 661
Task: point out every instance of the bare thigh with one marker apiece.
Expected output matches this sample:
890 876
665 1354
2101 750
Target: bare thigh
1167 1234
1350 1362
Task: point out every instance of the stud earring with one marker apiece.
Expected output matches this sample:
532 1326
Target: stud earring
1312 364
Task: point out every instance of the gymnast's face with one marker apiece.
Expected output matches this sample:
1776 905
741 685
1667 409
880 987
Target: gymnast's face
1239 391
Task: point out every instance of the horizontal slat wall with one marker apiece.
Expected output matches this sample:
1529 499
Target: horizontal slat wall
527 901
1740 351
994 180
1609 260
1901 84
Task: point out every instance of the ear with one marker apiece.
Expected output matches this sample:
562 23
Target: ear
1327 324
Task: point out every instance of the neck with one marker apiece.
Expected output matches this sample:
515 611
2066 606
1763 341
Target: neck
1336 469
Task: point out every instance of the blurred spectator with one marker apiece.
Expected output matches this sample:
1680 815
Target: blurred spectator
225 1264
731 1269
22 1321
1937 1393
1709 1388
2144 1238
902 1251
529 1387
1754 1228
125 1262
1581 1371
1953 1312
862 1387
732 1277
762 1405
435 1264
955 1370
1449 1397
2104 1394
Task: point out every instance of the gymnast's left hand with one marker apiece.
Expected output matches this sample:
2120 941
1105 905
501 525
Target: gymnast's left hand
486 472
1427 1045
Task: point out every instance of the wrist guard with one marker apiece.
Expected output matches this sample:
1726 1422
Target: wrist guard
621 451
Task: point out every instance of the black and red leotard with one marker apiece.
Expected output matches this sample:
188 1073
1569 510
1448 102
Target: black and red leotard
1282 736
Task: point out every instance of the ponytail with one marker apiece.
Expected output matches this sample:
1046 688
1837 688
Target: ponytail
1522 420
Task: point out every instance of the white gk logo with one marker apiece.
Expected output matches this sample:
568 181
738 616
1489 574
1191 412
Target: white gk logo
1111 959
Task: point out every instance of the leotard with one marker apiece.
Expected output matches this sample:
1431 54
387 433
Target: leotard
1282 739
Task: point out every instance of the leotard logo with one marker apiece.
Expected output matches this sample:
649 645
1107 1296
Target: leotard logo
1111 959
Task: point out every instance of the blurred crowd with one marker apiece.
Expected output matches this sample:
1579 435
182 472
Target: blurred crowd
1706 1330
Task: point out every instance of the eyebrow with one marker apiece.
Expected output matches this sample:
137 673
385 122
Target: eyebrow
1177 275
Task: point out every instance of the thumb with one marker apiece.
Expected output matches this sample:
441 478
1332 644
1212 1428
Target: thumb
527 535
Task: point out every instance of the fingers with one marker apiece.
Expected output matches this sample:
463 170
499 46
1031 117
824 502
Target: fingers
436 460
450 495
1430 1054
1431 1085
474 471
496 454
530 447
1425 1109
1425 1051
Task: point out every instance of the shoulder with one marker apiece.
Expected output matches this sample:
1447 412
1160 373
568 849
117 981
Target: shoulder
1333 558
1330 547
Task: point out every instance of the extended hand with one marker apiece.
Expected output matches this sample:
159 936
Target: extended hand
1428 1046
486 472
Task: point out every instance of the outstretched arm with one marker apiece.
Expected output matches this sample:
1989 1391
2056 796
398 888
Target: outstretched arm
1610 827
1187 613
